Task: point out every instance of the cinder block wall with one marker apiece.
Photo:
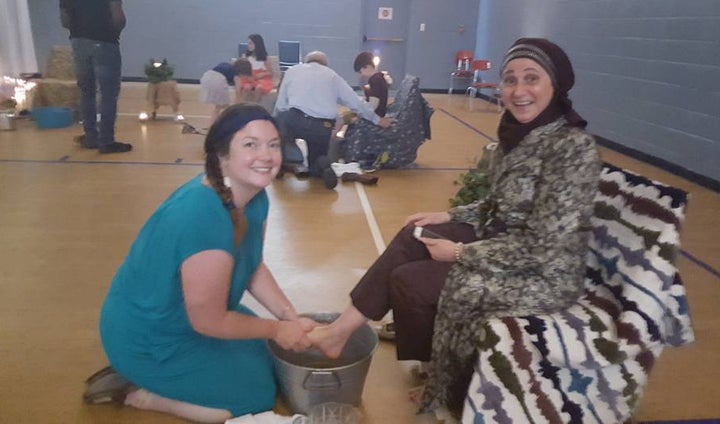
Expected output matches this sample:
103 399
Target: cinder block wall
647 70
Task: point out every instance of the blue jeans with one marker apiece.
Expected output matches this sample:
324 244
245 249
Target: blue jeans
97 64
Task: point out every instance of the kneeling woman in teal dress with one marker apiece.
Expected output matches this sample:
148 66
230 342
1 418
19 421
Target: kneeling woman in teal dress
177 338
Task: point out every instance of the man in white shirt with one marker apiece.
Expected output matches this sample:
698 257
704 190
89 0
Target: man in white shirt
306 108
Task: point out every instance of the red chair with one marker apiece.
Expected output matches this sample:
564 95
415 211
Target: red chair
462 72
477 84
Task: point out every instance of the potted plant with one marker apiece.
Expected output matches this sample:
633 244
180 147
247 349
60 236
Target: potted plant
158 71
162 89
475 185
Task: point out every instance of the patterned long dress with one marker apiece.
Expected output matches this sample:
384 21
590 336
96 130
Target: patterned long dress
530 256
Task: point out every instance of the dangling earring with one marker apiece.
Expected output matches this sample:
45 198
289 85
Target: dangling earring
226 182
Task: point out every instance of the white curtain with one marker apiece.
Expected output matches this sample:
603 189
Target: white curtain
17 49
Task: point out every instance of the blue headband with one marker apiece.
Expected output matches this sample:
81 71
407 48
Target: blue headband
229 126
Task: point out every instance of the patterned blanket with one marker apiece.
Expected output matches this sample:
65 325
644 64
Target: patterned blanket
365 142
590 363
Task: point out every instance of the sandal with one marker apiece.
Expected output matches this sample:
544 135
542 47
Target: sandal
107 386
102 373
387 331
419 373
361 178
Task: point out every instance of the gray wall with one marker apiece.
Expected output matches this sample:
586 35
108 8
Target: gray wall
647 70
194 36
431 53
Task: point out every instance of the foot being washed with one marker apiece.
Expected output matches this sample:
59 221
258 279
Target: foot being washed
330 341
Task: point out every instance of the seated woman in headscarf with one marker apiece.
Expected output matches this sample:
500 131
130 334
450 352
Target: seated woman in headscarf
519 251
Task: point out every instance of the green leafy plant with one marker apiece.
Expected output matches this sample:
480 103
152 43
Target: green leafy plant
474 183
158 71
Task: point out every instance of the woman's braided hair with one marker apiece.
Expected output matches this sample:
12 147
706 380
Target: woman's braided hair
217 145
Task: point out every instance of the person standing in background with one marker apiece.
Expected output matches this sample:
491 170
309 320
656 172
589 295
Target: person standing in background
95 27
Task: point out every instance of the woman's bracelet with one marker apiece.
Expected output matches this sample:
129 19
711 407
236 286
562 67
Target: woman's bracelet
458 251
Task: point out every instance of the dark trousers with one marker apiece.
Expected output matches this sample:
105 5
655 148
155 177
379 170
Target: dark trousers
97 64
407 280
316 133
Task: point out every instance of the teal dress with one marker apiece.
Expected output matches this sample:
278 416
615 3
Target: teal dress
144 326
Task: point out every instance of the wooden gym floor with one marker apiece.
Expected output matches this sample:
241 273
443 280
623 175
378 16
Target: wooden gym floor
68 216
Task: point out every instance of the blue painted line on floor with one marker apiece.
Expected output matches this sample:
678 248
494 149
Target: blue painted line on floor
700 263
178 160
468 125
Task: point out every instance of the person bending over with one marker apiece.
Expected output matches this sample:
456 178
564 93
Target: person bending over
307 106
215 84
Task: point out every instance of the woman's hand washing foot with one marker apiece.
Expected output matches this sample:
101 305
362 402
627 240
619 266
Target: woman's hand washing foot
308 324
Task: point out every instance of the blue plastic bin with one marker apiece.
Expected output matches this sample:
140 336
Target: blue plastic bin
52 117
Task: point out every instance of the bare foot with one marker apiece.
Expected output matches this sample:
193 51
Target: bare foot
329 341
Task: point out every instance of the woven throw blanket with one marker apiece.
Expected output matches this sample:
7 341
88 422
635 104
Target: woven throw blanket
365 141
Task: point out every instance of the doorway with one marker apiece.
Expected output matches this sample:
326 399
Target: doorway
385 25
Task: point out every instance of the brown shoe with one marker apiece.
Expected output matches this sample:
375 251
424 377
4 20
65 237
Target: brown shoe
361 178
